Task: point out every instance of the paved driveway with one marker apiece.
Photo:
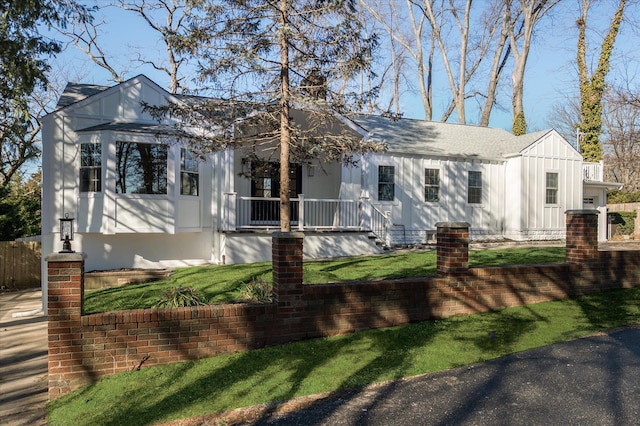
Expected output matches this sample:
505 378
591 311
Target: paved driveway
23 359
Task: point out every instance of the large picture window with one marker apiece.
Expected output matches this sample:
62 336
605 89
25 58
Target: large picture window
432 185
551 196
90 167
189 177
141 168
386 183
474 188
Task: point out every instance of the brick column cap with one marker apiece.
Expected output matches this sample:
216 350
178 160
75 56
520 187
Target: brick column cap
66 257
452 225
582 211
295 234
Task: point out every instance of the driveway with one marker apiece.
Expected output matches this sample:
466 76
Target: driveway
23 359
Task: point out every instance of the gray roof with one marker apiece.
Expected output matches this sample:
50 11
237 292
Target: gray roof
434 138
148 128
405 136
75 92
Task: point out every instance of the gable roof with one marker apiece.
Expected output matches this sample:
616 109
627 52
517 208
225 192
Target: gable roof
404 136
434 138
75 92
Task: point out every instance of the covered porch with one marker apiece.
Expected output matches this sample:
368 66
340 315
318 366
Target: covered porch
244 213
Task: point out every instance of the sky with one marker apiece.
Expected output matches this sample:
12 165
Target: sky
550 78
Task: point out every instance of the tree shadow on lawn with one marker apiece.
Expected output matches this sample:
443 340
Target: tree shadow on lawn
298 369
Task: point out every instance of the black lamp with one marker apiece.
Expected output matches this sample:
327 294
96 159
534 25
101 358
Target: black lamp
66 233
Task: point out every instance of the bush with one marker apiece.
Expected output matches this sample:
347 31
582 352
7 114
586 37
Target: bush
625 222
621 197
178 297
257 291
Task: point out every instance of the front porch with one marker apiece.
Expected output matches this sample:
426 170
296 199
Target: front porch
242 213
332 227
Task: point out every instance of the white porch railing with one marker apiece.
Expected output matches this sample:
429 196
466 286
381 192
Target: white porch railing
306 213
593 171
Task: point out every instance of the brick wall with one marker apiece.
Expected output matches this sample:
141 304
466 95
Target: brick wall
84 348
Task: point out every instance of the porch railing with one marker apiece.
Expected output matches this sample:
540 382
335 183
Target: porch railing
593 171
306 213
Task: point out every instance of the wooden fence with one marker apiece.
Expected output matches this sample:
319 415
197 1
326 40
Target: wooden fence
20 265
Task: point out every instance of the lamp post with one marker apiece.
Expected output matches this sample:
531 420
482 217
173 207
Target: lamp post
66 233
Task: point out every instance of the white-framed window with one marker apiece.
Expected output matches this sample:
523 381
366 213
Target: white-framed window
189 176
432 185
474 187
90 167
551 185
386 183
141 168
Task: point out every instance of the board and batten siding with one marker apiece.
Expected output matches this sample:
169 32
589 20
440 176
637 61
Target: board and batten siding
416 216
540 220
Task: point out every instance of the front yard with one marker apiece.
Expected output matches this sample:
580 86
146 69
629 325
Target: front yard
223 283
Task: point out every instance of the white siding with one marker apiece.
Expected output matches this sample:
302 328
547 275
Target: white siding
415 217
550 154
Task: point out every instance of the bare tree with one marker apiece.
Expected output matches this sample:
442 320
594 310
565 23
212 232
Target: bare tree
525 15
165 17
393 20
85 36
501 54
267 61
621 125
592 87
475 35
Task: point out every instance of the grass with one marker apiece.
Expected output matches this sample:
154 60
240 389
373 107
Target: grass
218 284
222 383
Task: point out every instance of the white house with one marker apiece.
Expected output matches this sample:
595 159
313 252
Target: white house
139 202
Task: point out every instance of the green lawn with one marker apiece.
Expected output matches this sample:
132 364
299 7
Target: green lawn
219 284
217 384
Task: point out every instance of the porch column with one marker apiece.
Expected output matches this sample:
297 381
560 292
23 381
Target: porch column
582 235
452 248
300 212
286 252
229 210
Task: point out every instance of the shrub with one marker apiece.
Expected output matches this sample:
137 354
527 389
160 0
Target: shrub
624 220
179 297
621 197
257 291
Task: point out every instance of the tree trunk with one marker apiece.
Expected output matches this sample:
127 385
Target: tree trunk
285 131
592 88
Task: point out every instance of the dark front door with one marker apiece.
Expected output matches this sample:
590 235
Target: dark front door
265 183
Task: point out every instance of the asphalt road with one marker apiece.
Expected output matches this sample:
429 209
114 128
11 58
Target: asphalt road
589 381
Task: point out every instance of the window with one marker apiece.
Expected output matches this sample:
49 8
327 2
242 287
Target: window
90 167
141 168
474 189
552 188
432 185
189 176
386 186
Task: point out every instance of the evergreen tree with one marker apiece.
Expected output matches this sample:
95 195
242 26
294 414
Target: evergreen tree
23 67
20 207
268 61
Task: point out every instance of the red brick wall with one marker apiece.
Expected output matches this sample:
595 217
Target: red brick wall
84 348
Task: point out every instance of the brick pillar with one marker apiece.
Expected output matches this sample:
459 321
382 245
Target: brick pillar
582 235
64 295
453 248
286 251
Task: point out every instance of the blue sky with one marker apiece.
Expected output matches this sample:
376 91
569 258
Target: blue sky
550 79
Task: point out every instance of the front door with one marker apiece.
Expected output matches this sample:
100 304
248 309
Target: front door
265 183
